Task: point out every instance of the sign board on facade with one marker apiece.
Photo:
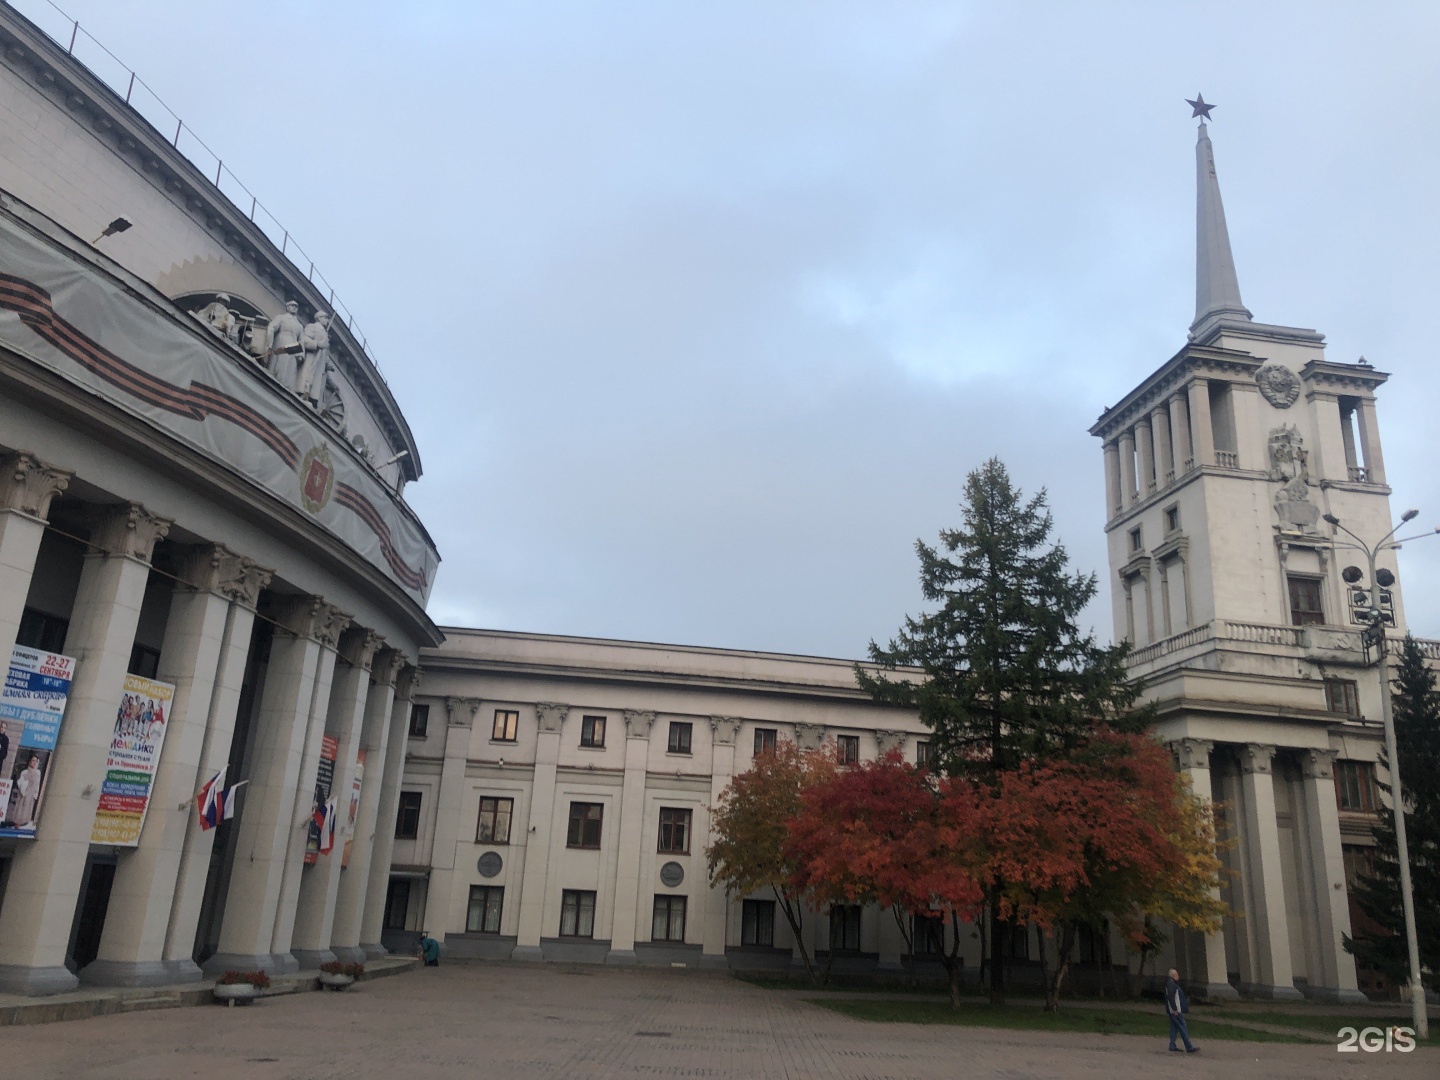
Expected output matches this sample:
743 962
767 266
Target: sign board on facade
140 726
32 705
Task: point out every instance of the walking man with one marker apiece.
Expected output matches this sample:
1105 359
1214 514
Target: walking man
1176 1006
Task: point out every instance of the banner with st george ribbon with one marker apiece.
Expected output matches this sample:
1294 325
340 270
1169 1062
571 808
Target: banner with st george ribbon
32 706
140 726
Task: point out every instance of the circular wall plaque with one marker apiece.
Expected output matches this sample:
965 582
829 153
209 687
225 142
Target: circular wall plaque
490 864
672 874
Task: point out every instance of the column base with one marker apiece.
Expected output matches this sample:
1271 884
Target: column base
1271 993
349 954
36 981
1217 992
375 951
270 963
625 957
140 972
533 953
714 962
1337 995
311 959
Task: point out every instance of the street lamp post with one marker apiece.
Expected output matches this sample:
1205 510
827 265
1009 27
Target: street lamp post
1377 625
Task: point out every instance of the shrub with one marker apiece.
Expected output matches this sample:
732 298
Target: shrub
336 967
256 979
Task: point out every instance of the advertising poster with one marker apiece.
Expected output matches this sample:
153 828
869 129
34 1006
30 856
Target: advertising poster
324 780
354 811
140 725
37 685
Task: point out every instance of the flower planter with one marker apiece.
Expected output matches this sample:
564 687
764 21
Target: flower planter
335 981
236 993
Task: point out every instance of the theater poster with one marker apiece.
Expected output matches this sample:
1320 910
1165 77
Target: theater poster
140 725
32 705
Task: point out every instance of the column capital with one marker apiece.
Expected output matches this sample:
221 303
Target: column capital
312 617
1318 764
129 530
27 484
1256 757
385 668
358 645
460 711
1192 753
638 723
889 740
725 729
215 568
407 682
809 736
551 716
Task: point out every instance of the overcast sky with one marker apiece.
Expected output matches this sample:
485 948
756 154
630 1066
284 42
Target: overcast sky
702 312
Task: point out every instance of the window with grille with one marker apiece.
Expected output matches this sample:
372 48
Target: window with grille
847 749
1355 786
679 741
585 818
1306 608
419 720
507 725
483 916
494 824
764 740
577 913
845 928
668 923
757 923
592 731
674 831
1342 696
407 817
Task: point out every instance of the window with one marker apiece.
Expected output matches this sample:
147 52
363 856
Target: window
1355 786
419 721
669 921
845 928
928 934
585 820
847 749
679 741
592 731
757 923
144 661
483 916
1359 864
39 630
1172 519
494 824
1137 540
674 831
577 913
407 820
1305 606
1018 945
397 903
1342 696
764 740
507 723
922 754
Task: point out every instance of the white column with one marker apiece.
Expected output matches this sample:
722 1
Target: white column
1264 886
137 921
723 733
1193 756
1165 470
1202 435
532 898
320 881
355 876
1370 440
377 887
26 488
1337 981
632 822
1112 480
440 896
266 816
45 873
1127 469
1145 444
1183 455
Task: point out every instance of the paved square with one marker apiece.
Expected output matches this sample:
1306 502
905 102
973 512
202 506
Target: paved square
516 1020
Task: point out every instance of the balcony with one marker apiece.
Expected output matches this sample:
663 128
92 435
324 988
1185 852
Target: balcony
1359 474
1227 459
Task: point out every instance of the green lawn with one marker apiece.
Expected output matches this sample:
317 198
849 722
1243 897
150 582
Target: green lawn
1318 1022
1029 1018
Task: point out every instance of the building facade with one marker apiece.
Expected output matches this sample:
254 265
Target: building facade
202 529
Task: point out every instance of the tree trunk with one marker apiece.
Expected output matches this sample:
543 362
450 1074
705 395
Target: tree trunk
795 918
997 950
953 964
1064 944
909 939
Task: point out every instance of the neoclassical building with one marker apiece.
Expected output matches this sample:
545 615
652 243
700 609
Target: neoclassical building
201 480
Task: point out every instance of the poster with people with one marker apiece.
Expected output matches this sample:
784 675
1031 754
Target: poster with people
140 726
354 812
324 781
32 705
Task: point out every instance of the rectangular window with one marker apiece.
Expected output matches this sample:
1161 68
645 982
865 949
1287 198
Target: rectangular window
407 819
1305 606
592 731
39 630
397 903
577 913
1137 540
585 818
1355 786
1342 696
668 923
845 928
419 721
757 923
1172 519
1018 946
494 824
928 934
144 661
1359 863
764 740
674 831
922 754
679 741
483 916
847 749
507 725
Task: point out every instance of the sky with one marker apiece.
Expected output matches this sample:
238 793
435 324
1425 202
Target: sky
701 313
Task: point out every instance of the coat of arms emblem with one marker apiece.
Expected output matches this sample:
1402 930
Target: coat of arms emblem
317 478
1278 385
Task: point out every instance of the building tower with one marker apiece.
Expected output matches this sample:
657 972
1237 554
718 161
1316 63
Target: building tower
1219 469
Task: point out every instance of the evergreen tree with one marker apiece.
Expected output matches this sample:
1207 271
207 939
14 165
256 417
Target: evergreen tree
1009 677
1417 737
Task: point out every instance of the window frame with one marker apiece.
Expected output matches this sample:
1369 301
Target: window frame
847 749
495 816
573 904
766 740
406 807
1137 539
397 904
1355 783
419 711
1348 692
931 928
671 904
683 745
512 726
851 918
590 725
1305 616
486 894
922 753
685 825
751 923
580 815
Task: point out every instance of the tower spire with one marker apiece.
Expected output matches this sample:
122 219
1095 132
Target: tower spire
1217 289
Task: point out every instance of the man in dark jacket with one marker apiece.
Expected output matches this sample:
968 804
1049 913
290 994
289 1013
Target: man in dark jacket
1176 1006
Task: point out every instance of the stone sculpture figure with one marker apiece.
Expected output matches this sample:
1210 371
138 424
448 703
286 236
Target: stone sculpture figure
315 341
1288 457
1294 508
284 332
219 318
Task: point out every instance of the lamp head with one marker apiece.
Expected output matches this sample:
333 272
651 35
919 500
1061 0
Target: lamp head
1409 515
1384 578
1352 574
1331 519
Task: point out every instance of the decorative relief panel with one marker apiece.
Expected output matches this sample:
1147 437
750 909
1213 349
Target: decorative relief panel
1278 385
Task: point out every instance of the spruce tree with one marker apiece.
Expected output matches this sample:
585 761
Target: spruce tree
1009 677
1417 736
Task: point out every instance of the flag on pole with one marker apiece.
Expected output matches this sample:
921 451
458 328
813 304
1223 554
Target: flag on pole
324 818
216 802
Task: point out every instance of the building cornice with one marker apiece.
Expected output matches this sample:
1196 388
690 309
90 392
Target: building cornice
1191 362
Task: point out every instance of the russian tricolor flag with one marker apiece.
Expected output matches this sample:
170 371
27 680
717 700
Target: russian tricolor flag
324 818
215 802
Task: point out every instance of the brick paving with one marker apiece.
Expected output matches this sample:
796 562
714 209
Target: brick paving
518 1020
